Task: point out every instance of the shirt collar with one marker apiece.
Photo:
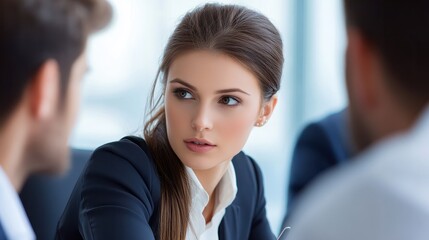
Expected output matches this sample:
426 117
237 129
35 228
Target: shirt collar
12 214
226 191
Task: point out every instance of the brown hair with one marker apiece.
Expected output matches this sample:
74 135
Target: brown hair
33 31
242 34
399 31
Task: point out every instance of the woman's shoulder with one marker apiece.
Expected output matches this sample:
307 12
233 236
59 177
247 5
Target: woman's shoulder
130 157
120 180
130 148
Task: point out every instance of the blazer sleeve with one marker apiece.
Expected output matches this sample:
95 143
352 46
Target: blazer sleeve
116 198
321 146
2 233
260 226
312 156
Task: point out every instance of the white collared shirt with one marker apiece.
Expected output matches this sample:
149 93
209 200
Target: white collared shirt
12 214
225 194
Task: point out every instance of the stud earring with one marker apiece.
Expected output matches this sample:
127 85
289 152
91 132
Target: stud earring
265 121
261 123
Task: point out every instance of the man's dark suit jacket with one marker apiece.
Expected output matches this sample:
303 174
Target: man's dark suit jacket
2 233
118 195
321 146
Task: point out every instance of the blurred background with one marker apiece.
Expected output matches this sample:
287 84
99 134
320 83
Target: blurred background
124 58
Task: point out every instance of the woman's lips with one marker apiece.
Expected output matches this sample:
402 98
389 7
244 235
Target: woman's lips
199 145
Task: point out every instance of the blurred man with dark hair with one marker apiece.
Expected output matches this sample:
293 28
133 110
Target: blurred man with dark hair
384 194
42 61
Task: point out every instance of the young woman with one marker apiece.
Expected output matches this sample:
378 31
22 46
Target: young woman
189 179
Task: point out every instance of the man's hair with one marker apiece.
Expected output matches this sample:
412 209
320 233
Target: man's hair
33 31
399 31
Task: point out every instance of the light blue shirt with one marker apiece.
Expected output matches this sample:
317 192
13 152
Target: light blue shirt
12 214
382 195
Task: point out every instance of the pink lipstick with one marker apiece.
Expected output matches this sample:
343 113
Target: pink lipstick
199 145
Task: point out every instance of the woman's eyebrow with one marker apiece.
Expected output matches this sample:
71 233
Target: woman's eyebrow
178 80
229 90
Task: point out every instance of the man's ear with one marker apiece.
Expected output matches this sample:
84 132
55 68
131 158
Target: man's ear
44 90
266 111
362 63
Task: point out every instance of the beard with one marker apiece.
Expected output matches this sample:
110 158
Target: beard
47 150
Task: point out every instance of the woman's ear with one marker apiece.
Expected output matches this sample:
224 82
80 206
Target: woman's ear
266 111
45 90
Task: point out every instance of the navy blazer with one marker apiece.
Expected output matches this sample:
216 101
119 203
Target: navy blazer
321 146
2 233
118 194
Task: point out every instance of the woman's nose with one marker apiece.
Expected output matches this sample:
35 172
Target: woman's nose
202 119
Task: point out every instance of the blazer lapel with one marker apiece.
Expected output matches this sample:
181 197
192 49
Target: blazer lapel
229 228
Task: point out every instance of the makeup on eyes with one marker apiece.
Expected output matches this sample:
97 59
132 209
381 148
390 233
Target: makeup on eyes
236 99
182 93
179 91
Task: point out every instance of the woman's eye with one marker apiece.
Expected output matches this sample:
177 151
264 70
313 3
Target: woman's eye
183 94
230 101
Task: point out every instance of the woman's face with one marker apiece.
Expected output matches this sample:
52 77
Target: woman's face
211 104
